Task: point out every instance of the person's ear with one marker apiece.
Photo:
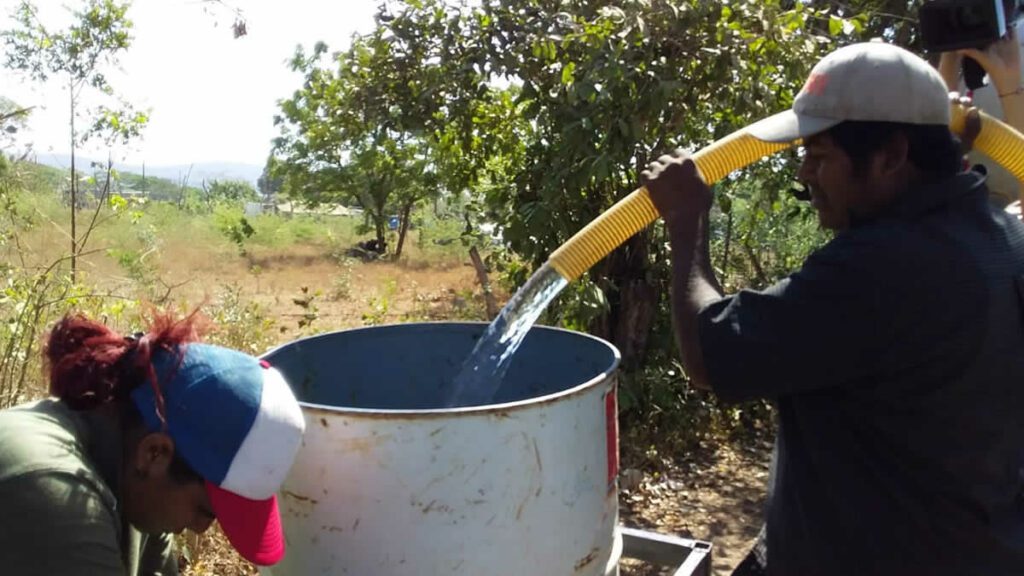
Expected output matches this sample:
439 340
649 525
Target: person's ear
153 455
893 157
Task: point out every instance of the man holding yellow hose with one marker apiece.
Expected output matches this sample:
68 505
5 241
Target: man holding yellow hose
893 354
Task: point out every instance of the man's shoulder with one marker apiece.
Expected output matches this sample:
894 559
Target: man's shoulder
896 241
870 247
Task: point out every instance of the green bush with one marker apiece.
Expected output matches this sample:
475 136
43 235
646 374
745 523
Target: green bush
241 325
36 290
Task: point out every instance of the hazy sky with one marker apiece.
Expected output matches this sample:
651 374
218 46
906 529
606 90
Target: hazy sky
211 97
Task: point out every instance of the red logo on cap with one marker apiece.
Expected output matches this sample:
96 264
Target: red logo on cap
816 84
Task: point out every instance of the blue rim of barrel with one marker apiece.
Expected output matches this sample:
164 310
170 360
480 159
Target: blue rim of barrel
469 332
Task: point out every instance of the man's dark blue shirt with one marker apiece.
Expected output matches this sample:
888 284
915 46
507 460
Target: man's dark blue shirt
895 356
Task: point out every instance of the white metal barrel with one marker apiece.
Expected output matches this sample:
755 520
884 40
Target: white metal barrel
387 483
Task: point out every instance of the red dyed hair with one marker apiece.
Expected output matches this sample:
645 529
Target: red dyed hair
90 364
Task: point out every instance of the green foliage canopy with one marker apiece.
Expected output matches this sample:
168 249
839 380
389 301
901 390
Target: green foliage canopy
545 111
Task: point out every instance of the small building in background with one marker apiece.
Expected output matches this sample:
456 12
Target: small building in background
291 208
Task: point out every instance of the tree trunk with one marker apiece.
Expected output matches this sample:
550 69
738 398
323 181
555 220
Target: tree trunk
755 263
635 317
380 221
380 231
74 190
728 243
184 187
485 283
631 298
404 228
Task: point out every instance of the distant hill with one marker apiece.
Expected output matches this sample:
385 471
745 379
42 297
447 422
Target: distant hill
199 171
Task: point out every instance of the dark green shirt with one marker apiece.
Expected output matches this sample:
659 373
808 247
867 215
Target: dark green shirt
59 472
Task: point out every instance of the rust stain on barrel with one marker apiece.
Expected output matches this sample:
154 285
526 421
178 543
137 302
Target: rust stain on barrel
588 559
363 445
519 509
300 497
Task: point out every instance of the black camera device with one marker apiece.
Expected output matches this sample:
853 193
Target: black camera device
955 24
948 25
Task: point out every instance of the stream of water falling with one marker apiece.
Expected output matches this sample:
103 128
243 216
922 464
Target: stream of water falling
485 367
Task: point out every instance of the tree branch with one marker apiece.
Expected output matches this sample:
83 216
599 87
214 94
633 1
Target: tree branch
755 263
99 205
20 112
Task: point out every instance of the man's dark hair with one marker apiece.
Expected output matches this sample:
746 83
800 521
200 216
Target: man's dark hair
932 148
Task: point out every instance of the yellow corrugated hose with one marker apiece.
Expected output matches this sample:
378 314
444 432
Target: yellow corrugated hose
634 212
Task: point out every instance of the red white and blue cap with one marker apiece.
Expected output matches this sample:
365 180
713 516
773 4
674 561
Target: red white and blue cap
236 422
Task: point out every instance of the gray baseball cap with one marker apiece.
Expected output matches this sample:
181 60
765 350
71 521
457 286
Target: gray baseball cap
870 81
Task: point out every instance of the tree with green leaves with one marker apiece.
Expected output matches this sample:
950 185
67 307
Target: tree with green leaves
546 110
268 184
343 140
233 192
78 56
602 88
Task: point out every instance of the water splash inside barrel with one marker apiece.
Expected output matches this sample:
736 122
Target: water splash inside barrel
484 369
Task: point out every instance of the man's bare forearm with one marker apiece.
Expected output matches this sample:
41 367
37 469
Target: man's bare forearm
694 285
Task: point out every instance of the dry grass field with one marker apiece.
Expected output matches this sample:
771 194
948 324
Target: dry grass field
295 279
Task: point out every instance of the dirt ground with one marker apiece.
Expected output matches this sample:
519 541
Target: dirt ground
714 494
343 296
